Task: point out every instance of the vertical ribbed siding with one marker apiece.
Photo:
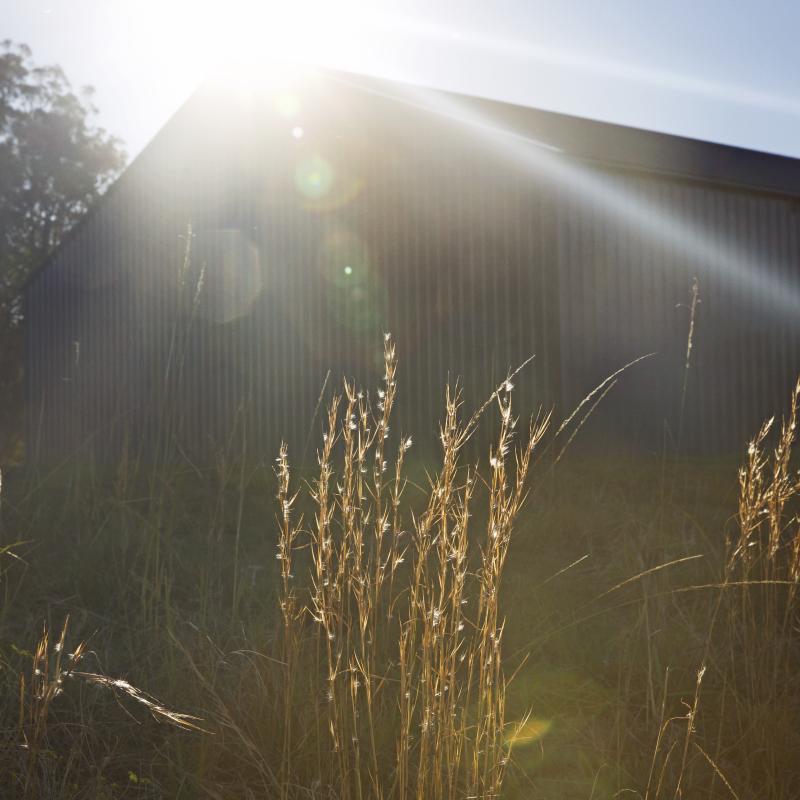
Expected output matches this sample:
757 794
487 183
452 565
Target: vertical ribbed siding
625 294
472 264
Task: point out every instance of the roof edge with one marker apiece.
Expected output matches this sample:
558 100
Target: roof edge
604 144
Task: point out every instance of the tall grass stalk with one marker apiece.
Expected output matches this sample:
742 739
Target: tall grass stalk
394 632
372 664
52 667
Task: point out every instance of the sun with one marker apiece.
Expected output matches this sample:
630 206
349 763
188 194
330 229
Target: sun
240 37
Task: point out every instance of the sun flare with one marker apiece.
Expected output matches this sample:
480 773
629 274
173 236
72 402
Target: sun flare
238 39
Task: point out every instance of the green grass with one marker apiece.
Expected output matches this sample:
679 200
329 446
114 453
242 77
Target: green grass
622 582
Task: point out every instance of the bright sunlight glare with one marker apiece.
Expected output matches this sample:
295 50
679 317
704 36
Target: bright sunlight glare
739 267
238 38
254 45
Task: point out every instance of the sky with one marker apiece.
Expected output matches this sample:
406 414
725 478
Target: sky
719 70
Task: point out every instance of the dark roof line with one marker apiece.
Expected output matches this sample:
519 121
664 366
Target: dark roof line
617 146
604 144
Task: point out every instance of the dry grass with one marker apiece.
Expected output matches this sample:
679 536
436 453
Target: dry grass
651 654
52 667
386 675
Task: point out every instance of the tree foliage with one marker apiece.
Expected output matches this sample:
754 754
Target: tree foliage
54 164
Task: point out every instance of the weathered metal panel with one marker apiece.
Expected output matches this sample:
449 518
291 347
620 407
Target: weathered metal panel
625 294
384 217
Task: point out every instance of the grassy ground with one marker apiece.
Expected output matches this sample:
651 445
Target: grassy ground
649 649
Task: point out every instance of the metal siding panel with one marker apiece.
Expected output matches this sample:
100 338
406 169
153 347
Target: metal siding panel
589 294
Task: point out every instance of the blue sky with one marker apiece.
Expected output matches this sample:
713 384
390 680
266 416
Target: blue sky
721 70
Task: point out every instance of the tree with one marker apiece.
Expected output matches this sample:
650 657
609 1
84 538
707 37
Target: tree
54 164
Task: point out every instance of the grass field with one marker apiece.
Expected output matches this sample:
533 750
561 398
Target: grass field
610 625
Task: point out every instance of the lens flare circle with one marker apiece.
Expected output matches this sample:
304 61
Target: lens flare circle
314 177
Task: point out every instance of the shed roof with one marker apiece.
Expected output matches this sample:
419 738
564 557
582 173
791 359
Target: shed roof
606 145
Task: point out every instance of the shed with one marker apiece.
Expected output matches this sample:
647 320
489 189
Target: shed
257 249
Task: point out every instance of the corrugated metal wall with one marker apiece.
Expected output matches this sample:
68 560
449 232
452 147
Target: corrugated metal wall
306 251
381 217
624 294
